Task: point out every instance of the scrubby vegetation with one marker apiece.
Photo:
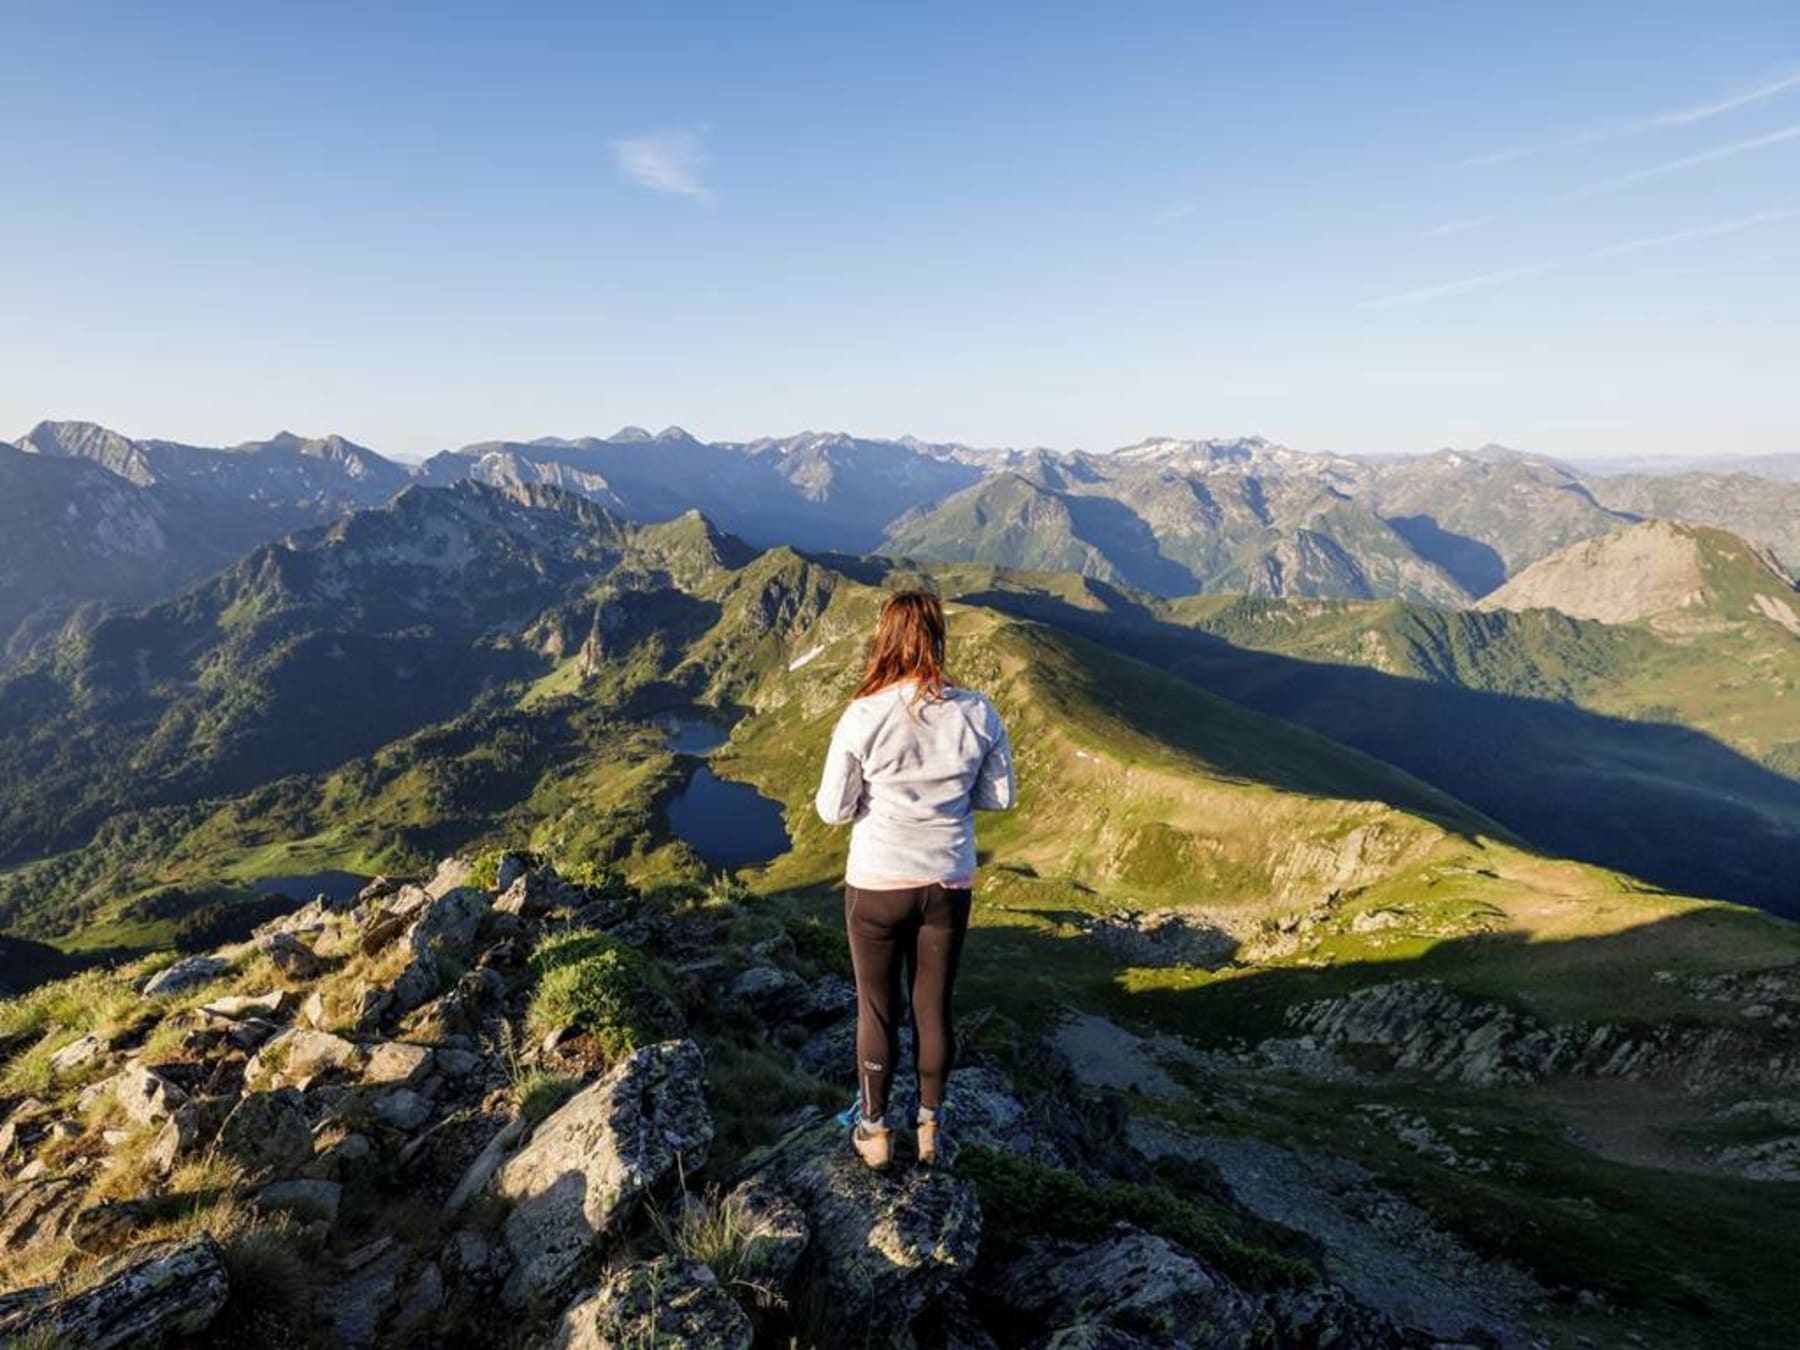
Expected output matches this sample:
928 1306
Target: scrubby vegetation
591 982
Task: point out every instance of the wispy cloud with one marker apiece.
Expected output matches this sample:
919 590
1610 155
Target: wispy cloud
1458 226
1754 91
1712 156
1486 280
1481 282
667 161
1602 186
1700 232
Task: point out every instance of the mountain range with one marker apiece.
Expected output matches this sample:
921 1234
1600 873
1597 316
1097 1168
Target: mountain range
96 520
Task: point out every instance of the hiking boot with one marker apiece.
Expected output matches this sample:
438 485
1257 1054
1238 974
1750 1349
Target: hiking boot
874 1144
928 1143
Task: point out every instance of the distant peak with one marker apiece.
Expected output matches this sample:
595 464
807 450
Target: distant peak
673 433
631 433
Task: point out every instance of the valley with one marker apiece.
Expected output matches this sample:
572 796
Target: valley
1463 925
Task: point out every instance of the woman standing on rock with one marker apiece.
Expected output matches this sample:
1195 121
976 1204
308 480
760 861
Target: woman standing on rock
911 760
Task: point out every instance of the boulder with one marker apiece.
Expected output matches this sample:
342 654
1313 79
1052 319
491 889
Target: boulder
673 1300
240 1006
771 993
397 1062
366 1286
1131 1281
511 867
402 1108
185 974
441 937
288 954
78 1053
267 1134
157 1294
884 1244
452 874
38 1210
300 1056
536 893
591 1162
146 1095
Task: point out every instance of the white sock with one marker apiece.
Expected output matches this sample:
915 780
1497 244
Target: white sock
927 1115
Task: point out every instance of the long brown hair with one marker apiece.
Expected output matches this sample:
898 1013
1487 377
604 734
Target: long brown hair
908 645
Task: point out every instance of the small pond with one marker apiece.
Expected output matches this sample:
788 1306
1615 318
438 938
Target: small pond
334 886
728 824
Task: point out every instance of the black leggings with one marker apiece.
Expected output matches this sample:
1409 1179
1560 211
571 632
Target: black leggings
920 930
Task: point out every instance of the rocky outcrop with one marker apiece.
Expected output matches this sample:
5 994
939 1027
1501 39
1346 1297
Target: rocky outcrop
186 973
883 1245
673 1300
1428 1029
589 1165
160 1293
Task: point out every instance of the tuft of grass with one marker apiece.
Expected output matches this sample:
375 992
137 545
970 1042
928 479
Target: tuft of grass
716 1231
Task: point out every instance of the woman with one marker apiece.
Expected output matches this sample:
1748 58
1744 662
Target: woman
911 759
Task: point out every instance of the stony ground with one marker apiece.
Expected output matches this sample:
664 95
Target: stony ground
500 1108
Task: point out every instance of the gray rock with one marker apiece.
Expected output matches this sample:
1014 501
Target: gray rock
592 1161
771 993
37 1210
1091 1336
512 867
78 1053
272 1004
454 1063
145 1095
185 974
158 1293
673 1300
537 893
267 1134
486 1163
1131 1281
289 955
354 1304
440 938
421 1302
403 1109
191 1125
397 1062
301 1056
884 1244
306 1199
452 874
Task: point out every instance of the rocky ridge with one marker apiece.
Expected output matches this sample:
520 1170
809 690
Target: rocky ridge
392 1121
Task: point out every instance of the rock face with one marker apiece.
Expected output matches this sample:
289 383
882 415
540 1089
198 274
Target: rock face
1132 1282
443 935
884 1245
266 1134
1651 569
589 1164
1430 1030
185 974
673 1300
162 1292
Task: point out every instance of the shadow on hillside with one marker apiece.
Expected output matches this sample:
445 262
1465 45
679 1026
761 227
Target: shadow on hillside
1477 567
1662 802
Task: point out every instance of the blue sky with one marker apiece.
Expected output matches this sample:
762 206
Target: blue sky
1570 228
